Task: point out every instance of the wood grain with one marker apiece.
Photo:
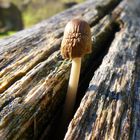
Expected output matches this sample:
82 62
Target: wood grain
34 77
110 108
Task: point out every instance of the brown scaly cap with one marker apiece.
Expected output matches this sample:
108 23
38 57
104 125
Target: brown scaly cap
77 39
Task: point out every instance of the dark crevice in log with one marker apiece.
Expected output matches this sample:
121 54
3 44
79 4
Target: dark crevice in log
95 61
44 123
4 65
104 10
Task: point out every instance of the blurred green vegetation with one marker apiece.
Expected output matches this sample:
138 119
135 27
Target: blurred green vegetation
34 11
2 35
33 15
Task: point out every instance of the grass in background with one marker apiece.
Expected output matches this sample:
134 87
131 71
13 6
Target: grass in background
2 35
32 16
39 10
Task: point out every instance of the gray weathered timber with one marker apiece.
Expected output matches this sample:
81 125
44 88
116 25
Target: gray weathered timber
33 76
110 109
37 43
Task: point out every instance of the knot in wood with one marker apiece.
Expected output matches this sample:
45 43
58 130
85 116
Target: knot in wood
77 39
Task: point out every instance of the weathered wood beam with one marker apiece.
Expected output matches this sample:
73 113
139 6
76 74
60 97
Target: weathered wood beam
37 43
33 76
110 109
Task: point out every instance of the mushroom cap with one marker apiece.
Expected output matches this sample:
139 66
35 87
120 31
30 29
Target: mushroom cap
77 39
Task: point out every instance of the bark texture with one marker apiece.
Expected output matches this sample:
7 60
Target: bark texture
34 77
110 109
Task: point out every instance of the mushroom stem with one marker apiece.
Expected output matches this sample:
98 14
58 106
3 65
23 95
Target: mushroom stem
72 87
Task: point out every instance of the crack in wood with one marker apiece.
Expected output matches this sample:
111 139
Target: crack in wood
110 107
32 45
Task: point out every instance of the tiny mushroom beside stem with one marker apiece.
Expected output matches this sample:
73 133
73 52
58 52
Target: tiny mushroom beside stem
75 44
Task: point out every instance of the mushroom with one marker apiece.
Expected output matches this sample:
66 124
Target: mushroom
75 44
